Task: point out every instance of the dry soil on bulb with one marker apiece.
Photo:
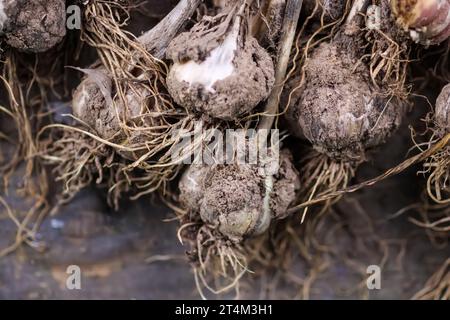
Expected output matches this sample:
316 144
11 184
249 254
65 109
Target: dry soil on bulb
337 110
33 26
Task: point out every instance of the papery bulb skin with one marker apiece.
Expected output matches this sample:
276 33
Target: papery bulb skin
426 21
239 199
218 69
338 110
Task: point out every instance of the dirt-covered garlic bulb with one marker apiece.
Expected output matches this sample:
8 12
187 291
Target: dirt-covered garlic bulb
427 21
239 199
93 105
437 165
33 26
218 68
338 109
330 10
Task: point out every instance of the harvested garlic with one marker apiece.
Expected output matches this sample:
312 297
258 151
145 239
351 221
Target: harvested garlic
238 199
219 69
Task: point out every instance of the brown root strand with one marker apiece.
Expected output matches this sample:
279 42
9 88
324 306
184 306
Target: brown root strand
388 56
79 158
437 168
435 220
75 160
422 156
438 285
321 175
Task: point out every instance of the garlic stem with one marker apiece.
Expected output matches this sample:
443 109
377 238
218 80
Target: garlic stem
292 14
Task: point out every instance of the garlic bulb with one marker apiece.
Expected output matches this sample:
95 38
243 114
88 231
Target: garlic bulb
219 69
238 199
427 21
